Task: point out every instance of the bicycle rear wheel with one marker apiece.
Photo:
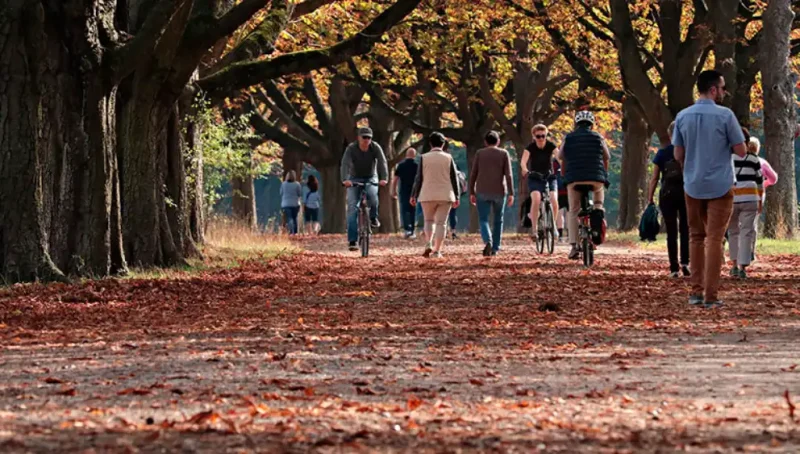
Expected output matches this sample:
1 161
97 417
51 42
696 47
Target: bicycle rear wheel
588 250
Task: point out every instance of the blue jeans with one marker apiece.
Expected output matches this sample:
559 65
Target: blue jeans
291 218
353 197
486 204
408 213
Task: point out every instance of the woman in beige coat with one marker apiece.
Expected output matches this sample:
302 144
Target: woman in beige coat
436 188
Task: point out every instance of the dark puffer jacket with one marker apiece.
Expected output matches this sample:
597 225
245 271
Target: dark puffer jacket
583 155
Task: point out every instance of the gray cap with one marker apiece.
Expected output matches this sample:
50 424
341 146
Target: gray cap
364 132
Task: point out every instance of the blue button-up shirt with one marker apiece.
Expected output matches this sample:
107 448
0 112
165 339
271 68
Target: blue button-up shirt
707 132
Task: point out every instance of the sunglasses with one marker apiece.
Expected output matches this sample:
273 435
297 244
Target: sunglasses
541 136
366 137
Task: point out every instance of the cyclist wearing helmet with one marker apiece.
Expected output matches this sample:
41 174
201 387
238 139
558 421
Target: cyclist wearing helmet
584 156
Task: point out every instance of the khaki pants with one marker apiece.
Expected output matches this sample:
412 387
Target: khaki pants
708 220
575 205
742 232
435 214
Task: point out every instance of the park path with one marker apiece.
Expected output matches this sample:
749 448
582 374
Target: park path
324 351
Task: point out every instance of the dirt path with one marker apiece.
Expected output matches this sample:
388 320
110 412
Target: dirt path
328 352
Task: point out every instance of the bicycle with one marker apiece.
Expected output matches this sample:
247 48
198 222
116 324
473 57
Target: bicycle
546 224
364 224
585 232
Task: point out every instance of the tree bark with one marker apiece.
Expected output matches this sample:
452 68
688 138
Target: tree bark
333 199
23 241
635 151
472 150
779 118
244 200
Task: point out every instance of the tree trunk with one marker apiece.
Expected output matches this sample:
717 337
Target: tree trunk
333 200
522 188
385 211
779 118
195 192
244 201
635 151
472 150
58 121
23 241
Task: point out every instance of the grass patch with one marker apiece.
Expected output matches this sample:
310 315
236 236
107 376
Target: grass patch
764 246
228 245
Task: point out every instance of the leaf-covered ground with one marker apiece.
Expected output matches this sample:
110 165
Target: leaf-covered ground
326 352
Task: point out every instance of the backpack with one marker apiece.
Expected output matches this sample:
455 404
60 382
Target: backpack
462 182
672 178
649 225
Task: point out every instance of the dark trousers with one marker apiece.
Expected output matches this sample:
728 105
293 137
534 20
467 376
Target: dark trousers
408 213
674 211
453 219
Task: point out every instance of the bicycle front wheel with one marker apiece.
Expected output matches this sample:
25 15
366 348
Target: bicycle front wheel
365 246
540 234
549 231
363 233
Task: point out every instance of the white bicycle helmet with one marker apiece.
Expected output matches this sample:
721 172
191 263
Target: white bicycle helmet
584 115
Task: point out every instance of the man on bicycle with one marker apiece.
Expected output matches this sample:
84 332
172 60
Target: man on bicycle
537 164
584 156
364 163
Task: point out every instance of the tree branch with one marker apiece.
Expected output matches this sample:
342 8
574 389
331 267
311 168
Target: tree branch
127 58
260 41
288 114
243 75
577 63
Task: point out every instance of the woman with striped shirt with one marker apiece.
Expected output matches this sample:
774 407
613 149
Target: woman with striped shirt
747 205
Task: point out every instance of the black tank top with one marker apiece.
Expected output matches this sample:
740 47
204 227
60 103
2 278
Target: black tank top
541 160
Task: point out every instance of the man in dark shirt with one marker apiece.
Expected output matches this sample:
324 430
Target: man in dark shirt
404 175
363 162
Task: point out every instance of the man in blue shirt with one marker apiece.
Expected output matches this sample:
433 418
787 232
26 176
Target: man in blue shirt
404 175
705 136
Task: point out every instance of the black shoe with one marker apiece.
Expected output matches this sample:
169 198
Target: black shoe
575 253
352 246
686 272
454 236
428 251
375 223
494 252
487 250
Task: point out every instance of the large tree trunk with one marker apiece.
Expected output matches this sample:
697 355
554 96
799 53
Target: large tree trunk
333 200
635 151
244 200
779 118
23 241
58 122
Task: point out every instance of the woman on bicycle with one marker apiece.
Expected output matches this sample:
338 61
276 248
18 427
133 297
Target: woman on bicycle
537 165
436 188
